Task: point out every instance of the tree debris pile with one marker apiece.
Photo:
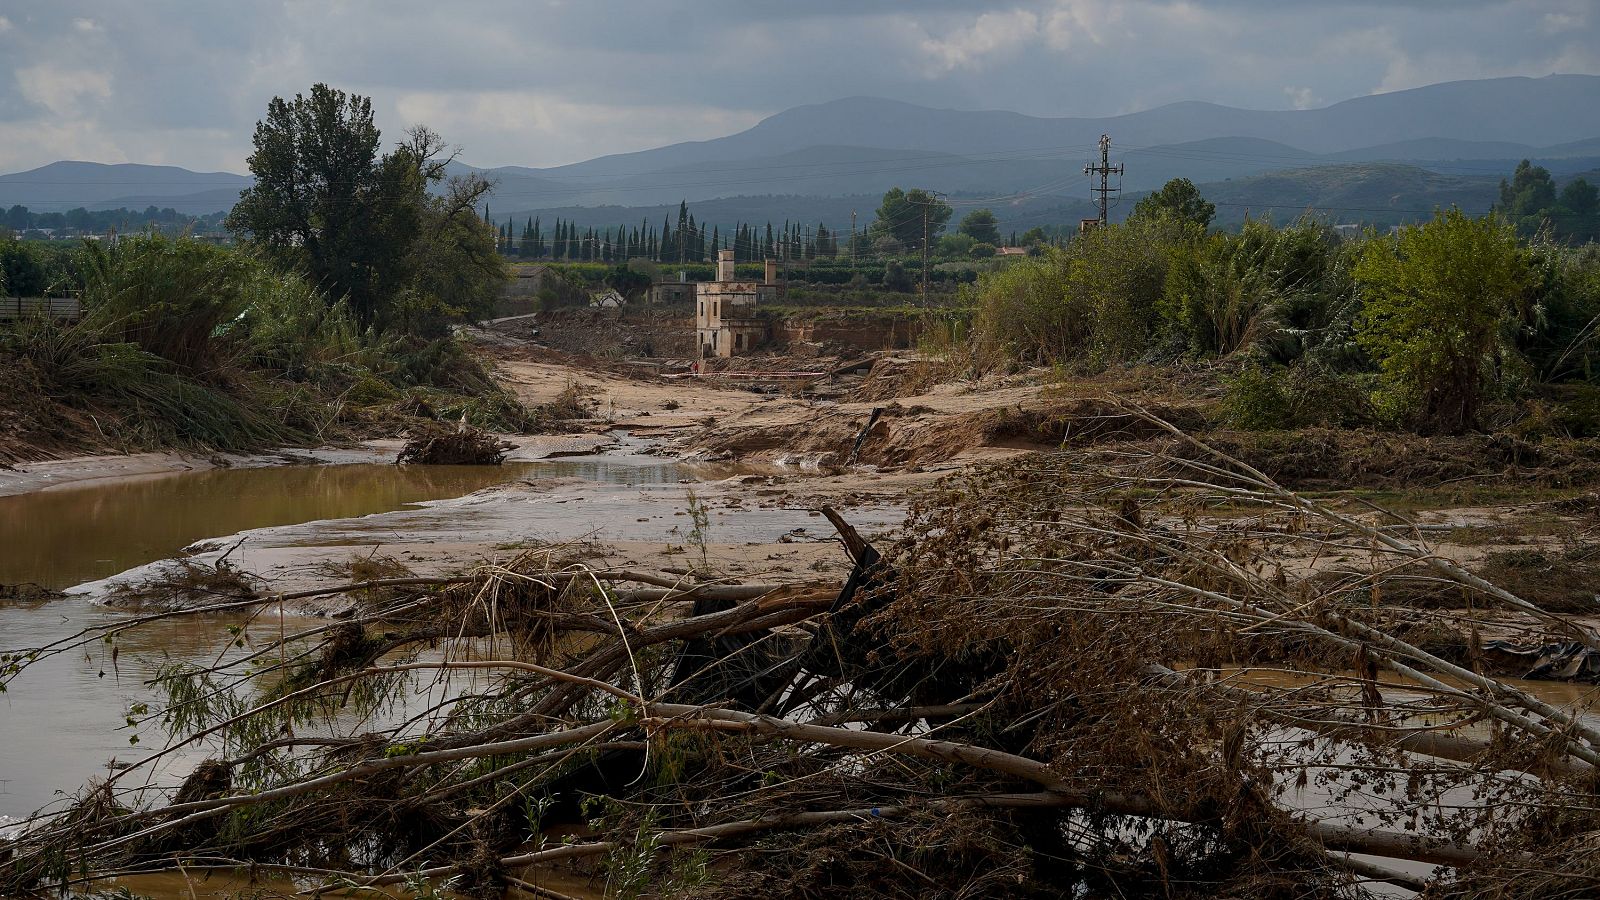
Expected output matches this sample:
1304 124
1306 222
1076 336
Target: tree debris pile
1107 677
462 446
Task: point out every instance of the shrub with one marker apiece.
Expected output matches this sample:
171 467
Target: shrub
1260 399
1436 303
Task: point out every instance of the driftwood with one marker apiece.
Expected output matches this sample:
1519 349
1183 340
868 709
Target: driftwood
462 446
1051 649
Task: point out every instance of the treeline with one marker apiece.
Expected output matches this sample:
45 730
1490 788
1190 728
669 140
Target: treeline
83 221
1451 325
905 223
688 242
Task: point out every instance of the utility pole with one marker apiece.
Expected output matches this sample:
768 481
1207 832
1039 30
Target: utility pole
926 207
852 240
1105 170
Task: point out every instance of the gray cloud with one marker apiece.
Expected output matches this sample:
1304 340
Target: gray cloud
556 81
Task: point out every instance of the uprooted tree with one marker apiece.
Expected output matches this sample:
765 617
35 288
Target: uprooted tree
1104 674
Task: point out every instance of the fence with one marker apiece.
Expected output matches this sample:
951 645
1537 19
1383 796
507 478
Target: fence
54 307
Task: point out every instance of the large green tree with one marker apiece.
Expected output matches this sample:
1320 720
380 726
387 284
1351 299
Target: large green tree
901 216
362 226
1178 199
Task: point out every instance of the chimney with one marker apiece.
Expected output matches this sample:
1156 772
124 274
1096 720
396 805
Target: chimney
725 265
772 271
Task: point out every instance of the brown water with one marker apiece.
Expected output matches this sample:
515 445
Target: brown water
70 535
63 720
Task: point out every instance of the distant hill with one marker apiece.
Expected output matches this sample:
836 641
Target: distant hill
1535 111
1456 134
62 186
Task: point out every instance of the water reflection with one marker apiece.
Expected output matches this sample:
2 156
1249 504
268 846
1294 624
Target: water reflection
63 537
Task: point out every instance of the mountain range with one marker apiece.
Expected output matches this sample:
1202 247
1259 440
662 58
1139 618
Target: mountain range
832 158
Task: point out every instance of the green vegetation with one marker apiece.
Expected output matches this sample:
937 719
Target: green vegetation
1530 201
329 320
1437 303
982 226
1180 199
1448 326
81 222
908 217
363 227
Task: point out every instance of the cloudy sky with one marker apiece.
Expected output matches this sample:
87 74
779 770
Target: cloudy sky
545 82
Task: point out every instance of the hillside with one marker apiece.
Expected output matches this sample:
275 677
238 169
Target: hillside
1376 193
1535 111
62 186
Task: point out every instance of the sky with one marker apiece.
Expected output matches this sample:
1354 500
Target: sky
547 82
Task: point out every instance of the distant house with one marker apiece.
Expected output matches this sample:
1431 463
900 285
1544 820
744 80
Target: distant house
607 299
674 290
725 317
1011 251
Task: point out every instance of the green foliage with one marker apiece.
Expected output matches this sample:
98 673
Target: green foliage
361 227
1178 199
905 215
143 399
958 244
1435 303
1261 399
1531 202
982 251
982 226
184 343
32 269
166 296
896 278
1118 274
322 196
1269 290
1024 312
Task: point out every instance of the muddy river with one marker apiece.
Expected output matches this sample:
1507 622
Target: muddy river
66 536
63 720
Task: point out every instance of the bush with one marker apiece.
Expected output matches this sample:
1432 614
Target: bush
167 296
1025 313
1436 303
982 251
1259 399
